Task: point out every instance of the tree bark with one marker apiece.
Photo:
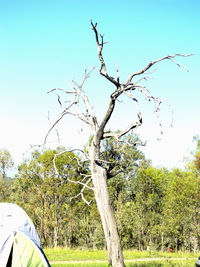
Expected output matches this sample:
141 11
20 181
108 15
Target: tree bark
55 237
99 178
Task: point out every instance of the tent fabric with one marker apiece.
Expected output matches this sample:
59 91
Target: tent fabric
6 242
14 218
18 235
25 253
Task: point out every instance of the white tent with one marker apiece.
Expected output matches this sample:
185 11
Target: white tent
19 242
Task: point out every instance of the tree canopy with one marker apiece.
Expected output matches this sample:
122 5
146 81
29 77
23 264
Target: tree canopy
154 208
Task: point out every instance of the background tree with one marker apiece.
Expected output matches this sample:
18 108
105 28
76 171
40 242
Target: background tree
193 171
149 187
5 189
46 198
195 164
121 158
154 208
6 163
80 106
181 211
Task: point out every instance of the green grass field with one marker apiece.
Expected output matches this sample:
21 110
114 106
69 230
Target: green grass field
152 264
61 257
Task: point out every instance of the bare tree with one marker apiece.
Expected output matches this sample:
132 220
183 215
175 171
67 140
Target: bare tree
80 107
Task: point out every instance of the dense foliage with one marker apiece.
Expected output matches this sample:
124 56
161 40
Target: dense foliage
155 208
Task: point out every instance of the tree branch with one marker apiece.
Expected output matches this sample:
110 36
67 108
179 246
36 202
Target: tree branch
100 45
57 121
81 193
156 61
85 185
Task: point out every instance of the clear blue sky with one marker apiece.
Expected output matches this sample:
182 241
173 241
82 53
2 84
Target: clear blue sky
45 43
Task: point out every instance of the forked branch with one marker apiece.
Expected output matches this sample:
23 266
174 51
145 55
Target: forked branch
82 183
128 87
78 104
100 45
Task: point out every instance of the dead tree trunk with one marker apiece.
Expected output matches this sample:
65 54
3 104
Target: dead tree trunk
102 197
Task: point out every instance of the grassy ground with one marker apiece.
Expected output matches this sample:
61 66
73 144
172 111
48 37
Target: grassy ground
188 263
152 264
61 257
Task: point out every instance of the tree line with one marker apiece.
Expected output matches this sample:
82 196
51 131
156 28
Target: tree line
155 208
